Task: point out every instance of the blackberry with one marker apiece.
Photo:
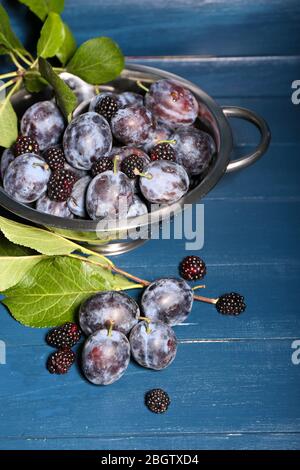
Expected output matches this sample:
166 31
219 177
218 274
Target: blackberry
192 268
157 400
130 164
61 361
101 165
163 151
55 158
64 336
231 304
107 107
25 144
60 185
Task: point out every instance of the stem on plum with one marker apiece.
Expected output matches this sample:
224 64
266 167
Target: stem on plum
148 321
203 286
142 86
111 326
144 175
172 141
42 165
116 161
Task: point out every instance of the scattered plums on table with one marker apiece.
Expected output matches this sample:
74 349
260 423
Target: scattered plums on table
101 309
153 345
105 357
169 300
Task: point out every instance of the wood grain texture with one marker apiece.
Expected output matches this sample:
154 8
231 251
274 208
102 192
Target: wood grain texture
209 27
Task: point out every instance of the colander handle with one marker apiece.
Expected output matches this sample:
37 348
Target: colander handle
262 126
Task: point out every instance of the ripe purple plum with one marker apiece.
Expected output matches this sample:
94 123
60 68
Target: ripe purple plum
172 104
105 357
164 182
103 308
60 209
169 300
153 345
86 139
26 178
129 98
6 158
194 149
76 202
83 90
132 125
109 195
158 134
44 123
137 208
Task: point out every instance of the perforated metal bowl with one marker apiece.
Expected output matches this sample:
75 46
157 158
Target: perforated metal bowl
212 118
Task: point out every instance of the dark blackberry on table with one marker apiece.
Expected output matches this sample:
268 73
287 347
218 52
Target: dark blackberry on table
157 400
231 304
64 336
107 107
55 158
101 165
132 165
25 144
61 361
192 268
163 151
60 185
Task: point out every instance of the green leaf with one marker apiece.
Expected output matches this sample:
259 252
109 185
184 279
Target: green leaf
43 241
97 61
66 99
8 124
34 82
52 291
7 36
15 261
41 8
52 36
14 268
8 248
68 46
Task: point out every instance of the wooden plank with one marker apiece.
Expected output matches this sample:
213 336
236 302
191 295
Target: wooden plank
233 76
181 26
233 387
170 441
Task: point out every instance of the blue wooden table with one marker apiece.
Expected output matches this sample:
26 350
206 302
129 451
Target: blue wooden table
233 384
